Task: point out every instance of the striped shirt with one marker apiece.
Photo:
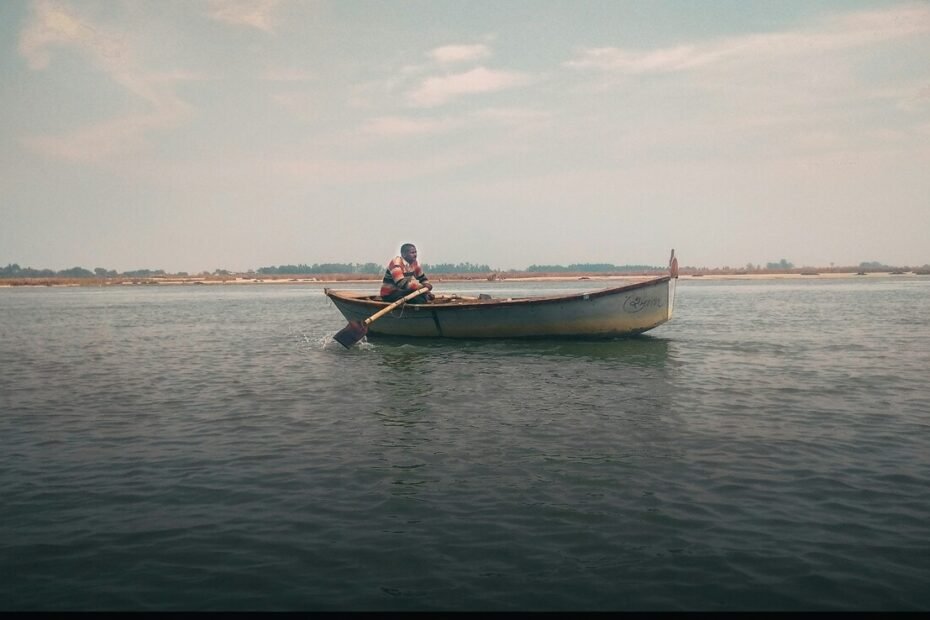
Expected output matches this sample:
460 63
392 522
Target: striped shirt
402 277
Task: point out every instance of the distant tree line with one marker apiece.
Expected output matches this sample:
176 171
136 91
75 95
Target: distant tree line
456 268
320 268
366 268
15 271
590 268
784 264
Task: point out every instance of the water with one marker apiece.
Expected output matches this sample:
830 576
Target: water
168 448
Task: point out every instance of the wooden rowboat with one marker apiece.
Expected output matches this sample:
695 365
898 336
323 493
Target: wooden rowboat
608 313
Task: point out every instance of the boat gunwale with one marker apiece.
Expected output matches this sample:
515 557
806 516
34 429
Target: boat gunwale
367 301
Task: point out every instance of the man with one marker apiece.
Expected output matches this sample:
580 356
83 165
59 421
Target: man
404 275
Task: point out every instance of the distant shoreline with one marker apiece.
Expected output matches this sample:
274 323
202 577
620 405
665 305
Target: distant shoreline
440 278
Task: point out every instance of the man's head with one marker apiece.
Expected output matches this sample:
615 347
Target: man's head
409 252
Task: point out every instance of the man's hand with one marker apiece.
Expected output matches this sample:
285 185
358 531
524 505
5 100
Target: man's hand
426 285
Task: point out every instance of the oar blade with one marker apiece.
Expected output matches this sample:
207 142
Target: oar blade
351 333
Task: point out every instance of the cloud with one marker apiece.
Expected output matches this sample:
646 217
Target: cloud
395 126
434 91
823 86
459 53
300 105
513 119
287 74
436 82
850 31
101 141
53 25
518 118
258 14
916 100
658 61
319 172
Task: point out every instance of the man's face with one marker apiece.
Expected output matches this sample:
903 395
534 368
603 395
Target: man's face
410 254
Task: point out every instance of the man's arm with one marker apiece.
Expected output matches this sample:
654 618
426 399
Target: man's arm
421 277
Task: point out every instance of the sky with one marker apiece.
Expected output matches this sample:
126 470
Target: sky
194 135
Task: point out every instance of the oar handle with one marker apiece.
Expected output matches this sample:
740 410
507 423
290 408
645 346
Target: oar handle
380 313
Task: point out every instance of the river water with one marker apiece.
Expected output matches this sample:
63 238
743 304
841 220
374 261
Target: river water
185 447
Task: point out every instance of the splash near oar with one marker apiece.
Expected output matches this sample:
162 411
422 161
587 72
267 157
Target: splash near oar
356 330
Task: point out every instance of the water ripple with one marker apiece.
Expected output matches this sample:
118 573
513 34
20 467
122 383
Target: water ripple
216 449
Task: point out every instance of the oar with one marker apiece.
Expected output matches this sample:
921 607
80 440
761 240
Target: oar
356 330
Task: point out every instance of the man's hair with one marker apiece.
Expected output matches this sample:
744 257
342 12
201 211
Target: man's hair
406 247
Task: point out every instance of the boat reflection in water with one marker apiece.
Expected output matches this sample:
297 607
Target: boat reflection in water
639 350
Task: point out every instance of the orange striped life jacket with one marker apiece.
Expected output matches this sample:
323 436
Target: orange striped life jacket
401 276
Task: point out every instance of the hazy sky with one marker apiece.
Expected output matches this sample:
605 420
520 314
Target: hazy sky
192 135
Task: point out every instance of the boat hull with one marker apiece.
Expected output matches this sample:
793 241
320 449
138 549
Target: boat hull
607 313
